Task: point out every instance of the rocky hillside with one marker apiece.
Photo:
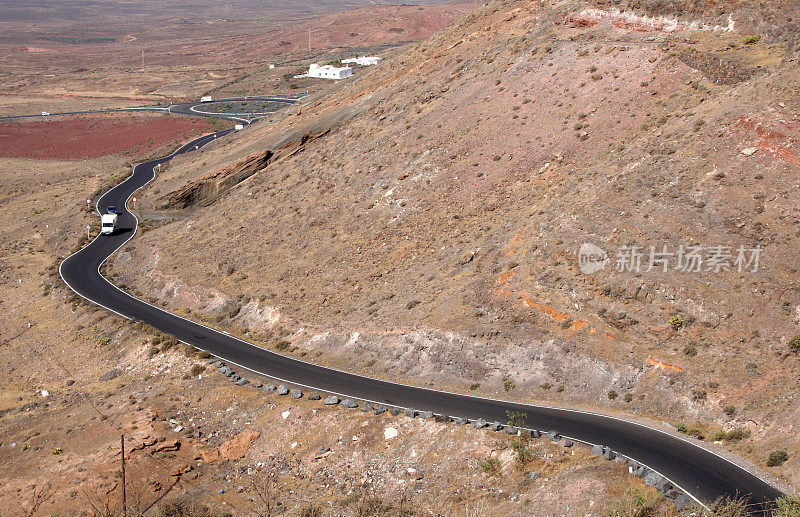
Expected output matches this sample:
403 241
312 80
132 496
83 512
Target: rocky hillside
79 377
423 223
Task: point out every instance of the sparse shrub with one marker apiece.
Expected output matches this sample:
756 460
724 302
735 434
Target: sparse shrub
794 345
182 509
739 433
628 397
197 370
376 507
490 465
729 410
697 433
474 386
168 343
153 351
516 418
546 386
717 436
282 345
508 384
777 458
681 427
690 350
730 506
103 341
751 40
633 504
310 510
612 395
522 452
676 322
699 395
59 450
787 507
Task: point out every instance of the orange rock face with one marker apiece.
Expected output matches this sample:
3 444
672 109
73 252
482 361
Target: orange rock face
237 447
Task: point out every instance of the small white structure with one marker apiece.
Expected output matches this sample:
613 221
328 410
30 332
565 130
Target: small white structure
363 60
329 71
271 67
207 98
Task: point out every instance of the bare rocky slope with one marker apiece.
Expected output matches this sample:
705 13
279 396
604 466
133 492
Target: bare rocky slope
423 222
78 378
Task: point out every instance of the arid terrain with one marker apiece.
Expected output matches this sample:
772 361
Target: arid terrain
80 377
154 53
90 136
427 228
420 223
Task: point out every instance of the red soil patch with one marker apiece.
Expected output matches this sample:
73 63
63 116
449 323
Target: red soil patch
773 142
93 136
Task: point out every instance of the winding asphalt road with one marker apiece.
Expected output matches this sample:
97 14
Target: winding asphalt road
699 472
182 108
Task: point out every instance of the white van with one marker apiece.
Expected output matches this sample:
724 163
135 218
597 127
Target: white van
108 223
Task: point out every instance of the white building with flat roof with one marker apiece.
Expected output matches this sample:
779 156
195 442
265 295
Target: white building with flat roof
329 71
363 60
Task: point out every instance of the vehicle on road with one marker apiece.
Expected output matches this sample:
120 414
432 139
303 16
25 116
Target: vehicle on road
108 223
112 210
45 114
207 98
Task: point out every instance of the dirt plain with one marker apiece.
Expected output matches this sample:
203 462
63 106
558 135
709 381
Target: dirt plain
158 53
90 136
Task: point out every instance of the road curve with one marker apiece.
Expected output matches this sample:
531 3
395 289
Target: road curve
182 108
699 472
